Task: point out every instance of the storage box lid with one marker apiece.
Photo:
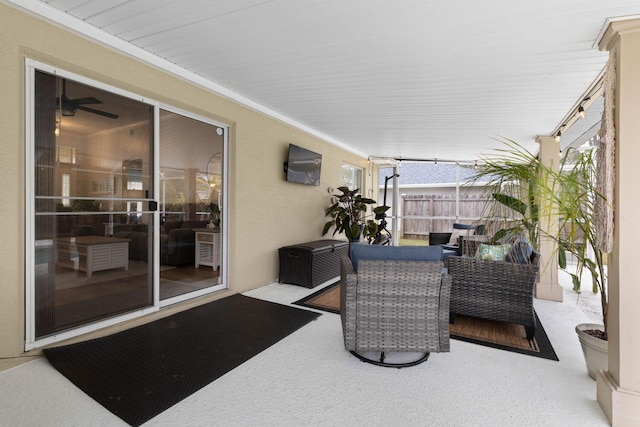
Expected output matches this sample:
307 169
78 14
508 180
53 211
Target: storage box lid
318 245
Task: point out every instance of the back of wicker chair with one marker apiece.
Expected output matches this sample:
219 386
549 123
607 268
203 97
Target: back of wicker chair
439 238
395 306
494 290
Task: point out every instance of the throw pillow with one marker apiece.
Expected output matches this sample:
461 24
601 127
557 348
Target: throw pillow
457 233
520 252
492 252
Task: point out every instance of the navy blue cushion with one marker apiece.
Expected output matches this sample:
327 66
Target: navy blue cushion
479 228
402 253
458 226
520 252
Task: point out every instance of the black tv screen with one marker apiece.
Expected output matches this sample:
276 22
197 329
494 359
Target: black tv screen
303 166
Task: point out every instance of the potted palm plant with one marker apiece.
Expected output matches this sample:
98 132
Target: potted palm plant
518 182
349 215
576 202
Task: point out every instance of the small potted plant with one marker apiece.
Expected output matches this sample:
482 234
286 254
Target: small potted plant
349 215
214 216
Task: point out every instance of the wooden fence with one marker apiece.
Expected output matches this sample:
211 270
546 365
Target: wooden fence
422 214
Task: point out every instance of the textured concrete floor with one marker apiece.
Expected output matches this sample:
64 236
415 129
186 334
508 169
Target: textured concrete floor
308 379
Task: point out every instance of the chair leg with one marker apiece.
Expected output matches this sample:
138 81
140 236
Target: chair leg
531 331
381 362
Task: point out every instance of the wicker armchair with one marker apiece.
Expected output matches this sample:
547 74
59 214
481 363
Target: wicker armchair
394 306
495 290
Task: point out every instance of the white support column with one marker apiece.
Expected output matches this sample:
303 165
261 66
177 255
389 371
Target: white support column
619 387
548 287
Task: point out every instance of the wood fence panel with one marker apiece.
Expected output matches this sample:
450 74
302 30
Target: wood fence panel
422 214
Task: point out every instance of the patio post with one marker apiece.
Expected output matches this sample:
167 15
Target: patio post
618 388
548 287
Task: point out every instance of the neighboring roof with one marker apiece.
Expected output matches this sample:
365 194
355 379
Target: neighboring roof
417 173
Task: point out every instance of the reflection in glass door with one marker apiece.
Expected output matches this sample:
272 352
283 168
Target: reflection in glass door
92 229
190 202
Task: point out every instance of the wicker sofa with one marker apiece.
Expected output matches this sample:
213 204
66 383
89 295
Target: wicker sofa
495 290
394 305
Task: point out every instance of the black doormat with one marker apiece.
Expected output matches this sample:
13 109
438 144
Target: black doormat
140 372
500 335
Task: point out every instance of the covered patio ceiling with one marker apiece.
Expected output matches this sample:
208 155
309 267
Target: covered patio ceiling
419 79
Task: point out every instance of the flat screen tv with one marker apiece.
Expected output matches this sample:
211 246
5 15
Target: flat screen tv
303 166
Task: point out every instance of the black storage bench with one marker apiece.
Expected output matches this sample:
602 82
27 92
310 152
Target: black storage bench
313 263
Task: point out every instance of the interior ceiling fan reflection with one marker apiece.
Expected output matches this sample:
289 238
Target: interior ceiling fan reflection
70 106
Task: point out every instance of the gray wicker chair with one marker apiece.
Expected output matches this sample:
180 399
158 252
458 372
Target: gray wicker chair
394 306
494 290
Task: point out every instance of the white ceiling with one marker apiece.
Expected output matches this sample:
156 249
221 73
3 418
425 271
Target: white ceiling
405 78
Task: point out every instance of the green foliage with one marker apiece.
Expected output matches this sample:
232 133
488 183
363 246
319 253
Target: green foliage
528 192
513 177
511 202
85 205
214 213
348 215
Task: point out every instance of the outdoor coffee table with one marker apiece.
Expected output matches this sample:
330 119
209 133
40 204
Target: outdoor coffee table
92 253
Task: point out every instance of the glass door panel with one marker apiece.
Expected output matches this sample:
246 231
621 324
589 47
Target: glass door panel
190 196
93 229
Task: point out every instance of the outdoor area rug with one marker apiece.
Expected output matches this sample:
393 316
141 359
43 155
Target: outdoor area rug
138 373
500 335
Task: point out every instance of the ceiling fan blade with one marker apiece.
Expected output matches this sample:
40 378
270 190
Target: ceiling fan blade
88 100
101 113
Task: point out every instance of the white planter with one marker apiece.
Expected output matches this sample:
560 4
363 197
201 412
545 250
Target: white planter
596 351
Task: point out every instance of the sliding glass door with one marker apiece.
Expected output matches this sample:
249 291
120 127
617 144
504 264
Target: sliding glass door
92 185
191 196
125 205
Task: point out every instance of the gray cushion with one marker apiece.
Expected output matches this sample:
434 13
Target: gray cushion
402 253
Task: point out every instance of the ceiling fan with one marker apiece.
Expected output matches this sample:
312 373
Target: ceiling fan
70 106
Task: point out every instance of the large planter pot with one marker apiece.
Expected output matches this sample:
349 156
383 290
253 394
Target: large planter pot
595 350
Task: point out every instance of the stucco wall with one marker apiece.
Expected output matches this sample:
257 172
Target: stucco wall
265 212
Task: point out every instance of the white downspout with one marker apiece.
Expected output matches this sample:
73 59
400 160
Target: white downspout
395 214
457 192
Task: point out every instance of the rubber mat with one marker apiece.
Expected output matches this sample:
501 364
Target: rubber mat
138 373
500 335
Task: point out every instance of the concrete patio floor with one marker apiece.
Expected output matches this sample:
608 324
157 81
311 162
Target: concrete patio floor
308 379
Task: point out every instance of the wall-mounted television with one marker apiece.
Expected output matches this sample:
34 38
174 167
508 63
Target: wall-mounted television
303 166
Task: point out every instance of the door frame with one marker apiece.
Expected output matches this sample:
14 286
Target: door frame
30 340
223 284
